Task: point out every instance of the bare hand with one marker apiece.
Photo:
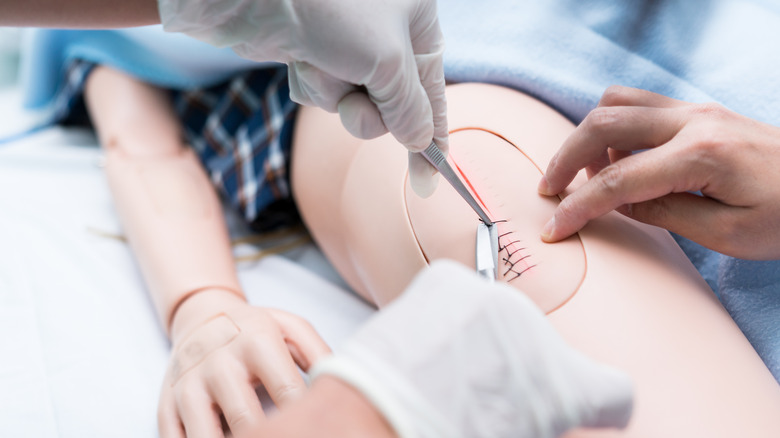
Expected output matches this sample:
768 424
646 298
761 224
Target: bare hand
222 349
732 160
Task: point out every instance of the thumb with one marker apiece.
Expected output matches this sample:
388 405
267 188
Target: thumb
360 116
313 87
423 177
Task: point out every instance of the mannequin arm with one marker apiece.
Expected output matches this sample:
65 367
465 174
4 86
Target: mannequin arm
222 346
168 209
89 14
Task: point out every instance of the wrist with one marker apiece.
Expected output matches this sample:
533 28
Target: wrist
201 305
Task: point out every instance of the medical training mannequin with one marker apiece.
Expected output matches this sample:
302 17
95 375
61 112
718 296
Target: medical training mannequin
223 347
620 291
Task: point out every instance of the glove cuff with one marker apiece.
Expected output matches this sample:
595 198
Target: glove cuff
404 408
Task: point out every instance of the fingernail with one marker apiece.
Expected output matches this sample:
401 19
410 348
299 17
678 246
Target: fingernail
544 188
548 229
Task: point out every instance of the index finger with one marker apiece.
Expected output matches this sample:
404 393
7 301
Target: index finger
621 128
649 175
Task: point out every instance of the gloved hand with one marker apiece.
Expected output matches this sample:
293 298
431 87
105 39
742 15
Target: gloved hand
455 356
222 348
379 64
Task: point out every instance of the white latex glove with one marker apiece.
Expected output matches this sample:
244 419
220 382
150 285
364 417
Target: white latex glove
378 63
458 357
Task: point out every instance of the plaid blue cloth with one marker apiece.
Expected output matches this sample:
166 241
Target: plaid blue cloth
241 130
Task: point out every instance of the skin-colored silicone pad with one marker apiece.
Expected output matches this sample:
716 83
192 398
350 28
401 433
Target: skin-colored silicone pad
641 305
445 226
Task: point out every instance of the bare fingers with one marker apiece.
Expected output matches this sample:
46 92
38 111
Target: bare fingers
634 179
608 128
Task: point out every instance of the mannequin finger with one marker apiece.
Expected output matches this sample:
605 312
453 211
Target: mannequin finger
303 341
168 421
270 361
197 413
311 86
622 128
617 95
423 177
360 116
637 178
237 400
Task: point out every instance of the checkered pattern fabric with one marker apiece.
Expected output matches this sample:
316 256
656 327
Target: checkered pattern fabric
241 130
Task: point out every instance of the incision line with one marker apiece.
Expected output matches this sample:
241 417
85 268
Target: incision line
506 247
470 186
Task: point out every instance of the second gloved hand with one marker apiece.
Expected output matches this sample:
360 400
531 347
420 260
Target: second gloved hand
379 64
455 356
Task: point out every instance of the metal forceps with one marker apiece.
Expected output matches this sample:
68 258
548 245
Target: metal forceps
487 235
487 252
435 156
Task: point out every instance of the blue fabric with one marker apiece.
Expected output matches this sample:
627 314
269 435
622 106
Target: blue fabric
167 60
242 132
566 52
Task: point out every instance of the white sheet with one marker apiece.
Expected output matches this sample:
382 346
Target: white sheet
81 352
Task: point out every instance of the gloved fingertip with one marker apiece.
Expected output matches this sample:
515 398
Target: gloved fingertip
416 148
615 401
422 176
424 186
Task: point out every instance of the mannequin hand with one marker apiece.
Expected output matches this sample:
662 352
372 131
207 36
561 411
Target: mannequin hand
379 64
222 348
456 356
732 160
